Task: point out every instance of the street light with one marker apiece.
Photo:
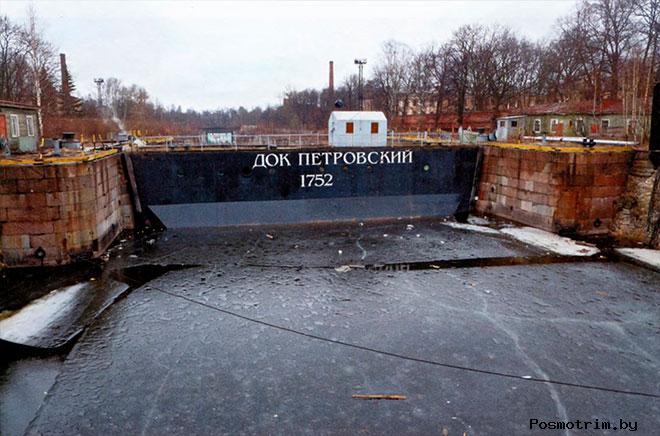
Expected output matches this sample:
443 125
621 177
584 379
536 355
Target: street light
99 82
360 63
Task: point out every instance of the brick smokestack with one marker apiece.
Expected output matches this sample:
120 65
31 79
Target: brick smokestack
331 80
64 74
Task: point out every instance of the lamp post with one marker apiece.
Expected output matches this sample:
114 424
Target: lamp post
360 63
99 82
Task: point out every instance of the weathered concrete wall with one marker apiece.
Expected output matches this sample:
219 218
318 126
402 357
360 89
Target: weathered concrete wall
638 213
71 211
572 192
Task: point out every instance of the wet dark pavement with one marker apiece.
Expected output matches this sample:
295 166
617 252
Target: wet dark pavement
262 335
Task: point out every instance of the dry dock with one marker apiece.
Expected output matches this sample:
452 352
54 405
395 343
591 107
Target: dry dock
264 332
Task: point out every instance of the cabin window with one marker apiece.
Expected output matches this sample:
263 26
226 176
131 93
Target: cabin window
29 121
374 128
15 128
502 123
349 128
537 125
605 124
514 123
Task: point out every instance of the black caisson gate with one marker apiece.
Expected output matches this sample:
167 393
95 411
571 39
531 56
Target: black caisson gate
237 187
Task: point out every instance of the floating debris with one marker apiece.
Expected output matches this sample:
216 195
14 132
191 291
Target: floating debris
379 397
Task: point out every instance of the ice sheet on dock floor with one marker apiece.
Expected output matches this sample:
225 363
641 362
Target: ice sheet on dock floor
324 245
170 358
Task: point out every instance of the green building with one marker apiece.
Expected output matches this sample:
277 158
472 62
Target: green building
19 126
572 119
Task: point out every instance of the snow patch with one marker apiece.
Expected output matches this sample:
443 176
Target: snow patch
645 256
478 221
550 242
34 319
472 227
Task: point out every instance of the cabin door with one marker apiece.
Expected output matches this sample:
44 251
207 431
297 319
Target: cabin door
3 126
560 129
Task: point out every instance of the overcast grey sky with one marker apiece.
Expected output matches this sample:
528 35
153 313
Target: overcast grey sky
207 55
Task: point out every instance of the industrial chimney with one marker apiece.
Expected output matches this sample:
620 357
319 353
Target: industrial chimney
64 74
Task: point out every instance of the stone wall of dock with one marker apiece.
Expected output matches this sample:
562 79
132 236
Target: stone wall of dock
570 191
638 214
67 211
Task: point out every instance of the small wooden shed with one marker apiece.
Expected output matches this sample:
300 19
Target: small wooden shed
357 129
19 126
510 128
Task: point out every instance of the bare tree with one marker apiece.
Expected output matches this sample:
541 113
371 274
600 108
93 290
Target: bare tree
648 14
391 75
348 91
40 57
508 64
463 58
419 81
12 61
438 64
579 37
617 35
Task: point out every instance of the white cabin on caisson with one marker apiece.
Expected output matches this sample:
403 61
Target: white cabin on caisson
357 129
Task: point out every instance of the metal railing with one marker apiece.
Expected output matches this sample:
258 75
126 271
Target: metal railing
435 138
284 140
306 140
280 140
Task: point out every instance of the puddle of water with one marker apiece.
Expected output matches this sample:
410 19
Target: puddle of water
453 263
136 276
484 262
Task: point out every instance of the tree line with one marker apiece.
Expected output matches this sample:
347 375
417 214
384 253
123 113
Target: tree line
603 49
